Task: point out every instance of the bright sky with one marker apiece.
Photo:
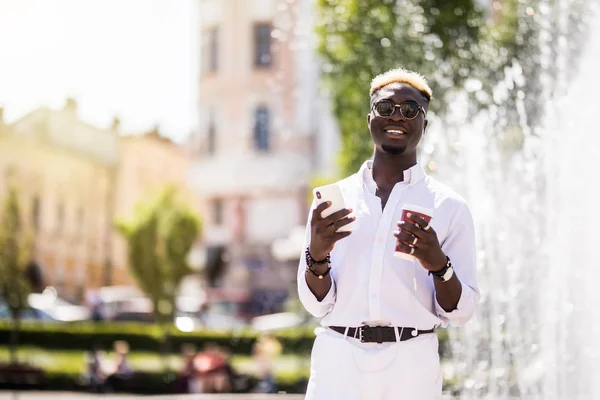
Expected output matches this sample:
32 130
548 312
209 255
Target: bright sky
136 59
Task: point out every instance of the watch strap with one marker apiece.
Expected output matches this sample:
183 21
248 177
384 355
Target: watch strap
442 272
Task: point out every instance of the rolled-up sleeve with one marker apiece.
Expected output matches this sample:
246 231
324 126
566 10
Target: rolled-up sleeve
461 248
309 301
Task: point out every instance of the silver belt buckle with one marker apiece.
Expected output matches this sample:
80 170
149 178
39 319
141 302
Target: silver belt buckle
360 333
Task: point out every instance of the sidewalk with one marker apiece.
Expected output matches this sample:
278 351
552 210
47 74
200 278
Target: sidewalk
86 396
4 395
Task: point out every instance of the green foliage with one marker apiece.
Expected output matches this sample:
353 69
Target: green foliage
448 41
499 46
63 341
159 239
147 337
15 254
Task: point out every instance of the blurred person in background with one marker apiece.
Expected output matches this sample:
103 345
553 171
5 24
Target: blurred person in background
384 287
188 381
203 314
96 304
95 375
213 369
122 371
266 350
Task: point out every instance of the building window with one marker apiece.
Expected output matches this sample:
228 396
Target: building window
35 213
261 128
60 218
211 135
210 51
217 211
262 45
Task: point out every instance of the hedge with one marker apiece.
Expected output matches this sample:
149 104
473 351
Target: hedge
147 337
149 383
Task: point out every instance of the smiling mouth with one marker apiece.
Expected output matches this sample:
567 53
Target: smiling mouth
395 133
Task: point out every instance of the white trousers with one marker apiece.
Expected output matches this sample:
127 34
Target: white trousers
345 369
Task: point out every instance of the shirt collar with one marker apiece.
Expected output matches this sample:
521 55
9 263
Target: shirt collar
412 176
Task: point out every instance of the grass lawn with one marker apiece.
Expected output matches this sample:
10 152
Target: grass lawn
73 361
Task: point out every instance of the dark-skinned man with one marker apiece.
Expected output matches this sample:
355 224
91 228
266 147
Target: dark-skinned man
379 311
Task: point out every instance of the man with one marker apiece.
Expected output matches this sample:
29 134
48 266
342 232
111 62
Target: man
380 312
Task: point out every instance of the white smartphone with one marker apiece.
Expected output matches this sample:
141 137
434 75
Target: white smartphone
331 193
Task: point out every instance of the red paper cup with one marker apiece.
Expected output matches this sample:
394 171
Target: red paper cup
425 213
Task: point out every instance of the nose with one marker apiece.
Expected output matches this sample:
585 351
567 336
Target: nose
397 115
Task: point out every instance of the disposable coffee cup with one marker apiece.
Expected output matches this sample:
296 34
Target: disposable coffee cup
425 213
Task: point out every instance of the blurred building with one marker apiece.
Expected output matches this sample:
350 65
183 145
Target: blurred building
149 162
75 180
265 131
65 171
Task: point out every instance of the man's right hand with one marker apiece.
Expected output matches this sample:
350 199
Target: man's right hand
323 230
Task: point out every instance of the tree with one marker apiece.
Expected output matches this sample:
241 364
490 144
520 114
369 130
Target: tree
445 40
159 238
15 255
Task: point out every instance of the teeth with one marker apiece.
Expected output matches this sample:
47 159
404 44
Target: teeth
397 132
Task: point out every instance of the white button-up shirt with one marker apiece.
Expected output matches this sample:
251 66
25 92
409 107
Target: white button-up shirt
370 284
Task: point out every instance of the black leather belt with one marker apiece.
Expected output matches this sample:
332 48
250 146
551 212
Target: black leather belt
380 334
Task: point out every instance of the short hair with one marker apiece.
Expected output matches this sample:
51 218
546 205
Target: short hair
401 75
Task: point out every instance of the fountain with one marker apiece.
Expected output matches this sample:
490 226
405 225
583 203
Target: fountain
527 167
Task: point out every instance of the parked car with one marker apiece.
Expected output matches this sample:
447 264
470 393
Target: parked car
28 314
48 307
57 308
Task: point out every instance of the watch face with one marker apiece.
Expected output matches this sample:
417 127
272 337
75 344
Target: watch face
448 274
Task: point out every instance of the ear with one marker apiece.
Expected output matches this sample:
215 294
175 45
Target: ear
368 119
425 123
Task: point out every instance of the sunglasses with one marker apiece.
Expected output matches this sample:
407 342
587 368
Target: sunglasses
408 110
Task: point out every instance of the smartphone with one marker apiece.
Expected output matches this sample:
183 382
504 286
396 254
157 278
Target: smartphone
331 193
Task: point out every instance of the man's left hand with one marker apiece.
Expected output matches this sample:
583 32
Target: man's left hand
427 248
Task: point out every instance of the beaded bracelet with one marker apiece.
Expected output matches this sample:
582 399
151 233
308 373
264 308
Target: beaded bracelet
310 262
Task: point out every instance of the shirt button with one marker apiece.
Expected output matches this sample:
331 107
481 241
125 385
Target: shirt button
379 239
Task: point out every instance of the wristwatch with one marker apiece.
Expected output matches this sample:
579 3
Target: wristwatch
445 274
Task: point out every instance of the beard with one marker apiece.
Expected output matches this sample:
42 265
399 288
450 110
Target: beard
393 149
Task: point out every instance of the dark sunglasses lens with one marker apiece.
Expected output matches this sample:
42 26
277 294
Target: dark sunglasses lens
409 110
385 108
